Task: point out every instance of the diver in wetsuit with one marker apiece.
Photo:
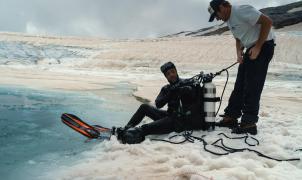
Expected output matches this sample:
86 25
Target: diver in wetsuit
183 112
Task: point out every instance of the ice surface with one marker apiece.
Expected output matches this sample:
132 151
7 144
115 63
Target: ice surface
138 61
25 53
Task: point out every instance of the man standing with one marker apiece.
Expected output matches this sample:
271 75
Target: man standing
252 31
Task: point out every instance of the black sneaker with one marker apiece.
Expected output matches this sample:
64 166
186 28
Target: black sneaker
227 122
247 128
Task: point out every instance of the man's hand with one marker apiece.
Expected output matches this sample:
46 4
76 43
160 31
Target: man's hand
240 56
254 52
184 90
170 92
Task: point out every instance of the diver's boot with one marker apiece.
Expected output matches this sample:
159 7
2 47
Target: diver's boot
118 132
133 136
227 121
246 128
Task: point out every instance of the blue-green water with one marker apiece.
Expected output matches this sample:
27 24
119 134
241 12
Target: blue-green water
32 137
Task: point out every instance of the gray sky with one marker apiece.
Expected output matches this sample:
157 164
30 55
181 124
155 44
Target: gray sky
110 18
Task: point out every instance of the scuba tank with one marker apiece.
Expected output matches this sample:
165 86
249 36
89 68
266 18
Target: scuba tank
210 99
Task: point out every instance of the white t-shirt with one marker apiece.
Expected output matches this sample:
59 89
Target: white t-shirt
242 23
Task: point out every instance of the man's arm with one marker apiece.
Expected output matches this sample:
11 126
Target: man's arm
266 24
163 97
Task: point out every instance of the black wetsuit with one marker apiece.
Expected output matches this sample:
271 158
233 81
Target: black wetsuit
183 111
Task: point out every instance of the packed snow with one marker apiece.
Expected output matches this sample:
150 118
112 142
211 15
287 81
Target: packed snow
94 64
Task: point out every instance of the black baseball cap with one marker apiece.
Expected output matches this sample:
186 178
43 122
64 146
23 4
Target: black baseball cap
213 8
165 67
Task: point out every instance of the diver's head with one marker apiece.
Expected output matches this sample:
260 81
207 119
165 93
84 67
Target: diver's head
170 72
